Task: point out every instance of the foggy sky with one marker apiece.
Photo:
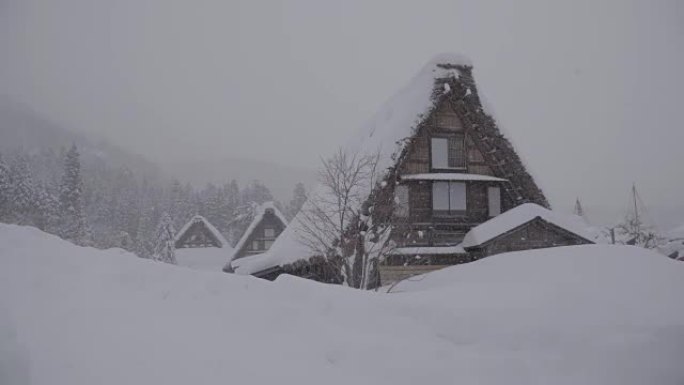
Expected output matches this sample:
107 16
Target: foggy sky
589 90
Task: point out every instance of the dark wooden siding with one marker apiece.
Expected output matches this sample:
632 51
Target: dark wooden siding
439 230
269 220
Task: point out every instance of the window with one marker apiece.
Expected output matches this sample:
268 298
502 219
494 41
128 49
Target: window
440 153
448 152
268 244
269 233
449 197
401 198
494 198
256 245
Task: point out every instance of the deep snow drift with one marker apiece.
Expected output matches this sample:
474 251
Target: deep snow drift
574 315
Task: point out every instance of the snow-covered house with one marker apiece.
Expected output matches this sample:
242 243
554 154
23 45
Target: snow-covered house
447 168
262 232
199 245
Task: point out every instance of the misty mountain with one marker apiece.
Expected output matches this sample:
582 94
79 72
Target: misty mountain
23 128
280 179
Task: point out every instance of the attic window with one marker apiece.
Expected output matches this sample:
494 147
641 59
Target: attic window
448 152
269 233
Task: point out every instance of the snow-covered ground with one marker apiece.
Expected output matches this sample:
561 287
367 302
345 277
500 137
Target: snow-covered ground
576 315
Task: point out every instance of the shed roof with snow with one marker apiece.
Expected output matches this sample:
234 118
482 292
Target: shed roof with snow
519 216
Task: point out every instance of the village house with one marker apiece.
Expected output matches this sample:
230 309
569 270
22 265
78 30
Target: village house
453 187
199 245
267 225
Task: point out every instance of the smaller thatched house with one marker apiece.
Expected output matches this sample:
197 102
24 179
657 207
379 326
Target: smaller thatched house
199 245
267 225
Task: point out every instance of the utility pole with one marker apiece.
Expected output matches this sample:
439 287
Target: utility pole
637 225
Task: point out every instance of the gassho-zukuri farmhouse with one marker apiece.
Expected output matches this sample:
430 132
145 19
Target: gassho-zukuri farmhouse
454 186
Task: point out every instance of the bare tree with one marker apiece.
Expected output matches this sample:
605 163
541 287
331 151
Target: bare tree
635 232
348 219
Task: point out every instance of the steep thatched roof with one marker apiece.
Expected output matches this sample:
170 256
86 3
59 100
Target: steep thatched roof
258 218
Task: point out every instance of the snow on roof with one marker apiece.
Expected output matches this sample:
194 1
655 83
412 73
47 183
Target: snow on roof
208 225
428 250
453 177
519 216
258 217
385 134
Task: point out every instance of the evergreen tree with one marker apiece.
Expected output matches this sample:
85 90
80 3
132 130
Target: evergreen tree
164 250
232 205
578 210
180 206
5 188
22 199
47 209
256 192
298 199
73 225
145 233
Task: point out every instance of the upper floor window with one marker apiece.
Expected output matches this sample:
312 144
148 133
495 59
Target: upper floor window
449 198
448 152
269 233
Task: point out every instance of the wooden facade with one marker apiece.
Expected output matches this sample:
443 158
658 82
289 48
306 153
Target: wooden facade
443 228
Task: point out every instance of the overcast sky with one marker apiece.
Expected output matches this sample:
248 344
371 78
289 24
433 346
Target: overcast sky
591 91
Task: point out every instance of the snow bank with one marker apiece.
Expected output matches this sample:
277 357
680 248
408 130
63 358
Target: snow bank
204 258
574 315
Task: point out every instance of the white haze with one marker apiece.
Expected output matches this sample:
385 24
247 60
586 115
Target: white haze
589 90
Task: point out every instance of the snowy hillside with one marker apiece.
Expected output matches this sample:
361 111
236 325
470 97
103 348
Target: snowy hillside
23 128
580 315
